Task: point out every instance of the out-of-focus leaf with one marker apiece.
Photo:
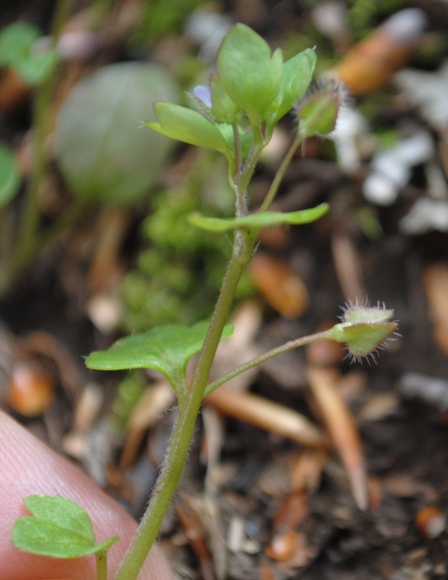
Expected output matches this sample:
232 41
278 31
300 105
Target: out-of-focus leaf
17 50
16 41
104 154
9 176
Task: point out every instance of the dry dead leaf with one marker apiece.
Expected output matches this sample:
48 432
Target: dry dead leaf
189 514
430 522
370 64
379 407
289 547
31 388
265 414
156 399
435 280
342 430
279 285
348 266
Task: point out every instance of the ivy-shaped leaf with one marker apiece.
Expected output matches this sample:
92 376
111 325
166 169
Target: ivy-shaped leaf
258 221
58 528
166 349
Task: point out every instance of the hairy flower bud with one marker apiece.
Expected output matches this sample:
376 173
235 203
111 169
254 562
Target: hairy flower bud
317 113
364 329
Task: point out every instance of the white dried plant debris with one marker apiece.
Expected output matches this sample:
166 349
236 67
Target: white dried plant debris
330 18
431 211
351 137
428 91
426 214
431 390
391 169
208 29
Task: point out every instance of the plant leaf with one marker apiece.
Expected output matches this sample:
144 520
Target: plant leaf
250 73
296 78
35 68
187 126
58 528
16 42
166 349
9 176
16 51
104 155
258 221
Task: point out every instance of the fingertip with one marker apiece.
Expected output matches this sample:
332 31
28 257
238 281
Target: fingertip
29 467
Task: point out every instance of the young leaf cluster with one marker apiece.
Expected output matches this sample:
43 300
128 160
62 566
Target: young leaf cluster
252 86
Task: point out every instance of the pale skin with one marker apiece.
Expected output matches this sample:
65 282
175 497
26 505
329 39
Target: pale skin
28 467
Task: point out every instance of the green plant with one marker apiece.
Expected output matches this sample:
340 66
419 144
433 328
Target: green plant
9 176
178 274
235 115
59 528
103 159
18 51
37 68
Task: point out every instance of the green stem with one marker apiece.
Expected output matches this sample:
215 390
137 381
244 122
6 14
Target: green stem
243 246
325 335
60 17
67 219
243 179
101 565
31 216
237 142
180 441
42 105
280 174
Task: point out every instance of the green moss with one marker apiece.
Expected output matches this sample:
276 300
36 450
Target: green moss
178 274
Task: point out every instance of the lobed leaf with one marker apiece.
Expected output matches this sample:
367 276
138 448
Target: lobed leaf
58 528
166 349
258 221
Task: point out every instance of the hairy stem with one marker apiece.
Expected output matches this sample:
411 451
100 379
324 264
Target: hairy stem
324 335
180 441
166 485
